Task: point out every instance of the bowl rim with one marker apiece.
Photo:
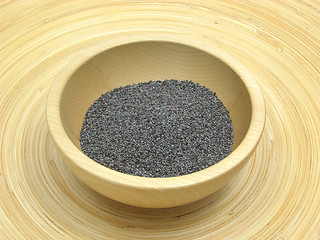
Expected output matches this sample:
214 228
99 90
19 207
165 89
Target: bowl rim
79 160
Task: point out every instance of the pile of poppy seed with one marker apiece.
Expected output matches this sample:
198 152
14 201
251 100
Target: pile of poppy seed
157 129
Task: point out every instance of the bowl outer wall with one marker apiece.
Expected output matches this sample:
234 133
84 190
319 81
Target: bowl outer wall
154 192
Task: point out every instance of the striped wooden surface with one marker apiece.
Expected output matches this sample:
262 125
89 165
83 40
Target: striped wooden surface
275 196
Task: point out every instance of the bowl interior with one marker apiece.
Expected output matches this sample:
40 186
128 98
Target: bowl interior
152 60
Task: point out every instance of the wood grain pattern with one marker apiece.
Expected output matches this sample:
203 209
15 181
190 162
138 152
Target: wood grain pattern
275 196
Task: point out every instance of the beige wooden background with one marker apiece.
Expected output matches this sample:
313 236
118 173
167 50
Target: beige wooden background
276 196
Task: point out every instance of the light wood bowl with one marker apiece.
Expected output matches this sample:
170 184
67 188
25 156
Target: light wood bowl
126 61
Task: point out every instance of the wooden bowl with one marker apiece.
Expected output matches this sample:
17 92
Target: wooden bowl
120 62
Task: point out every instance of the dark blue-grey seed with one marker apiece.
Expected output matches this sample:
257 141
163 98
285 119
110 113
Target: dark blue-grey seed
157 129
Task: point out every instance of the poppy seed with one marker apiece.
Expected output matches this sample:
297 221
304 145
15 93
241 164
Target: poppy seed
157 129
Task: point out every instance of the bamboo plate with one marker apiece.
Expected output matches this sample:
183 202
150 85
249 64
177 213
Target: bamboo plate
275 196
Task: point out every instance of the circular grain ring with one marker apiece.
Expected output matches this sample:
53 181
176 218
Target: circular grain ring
275 196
